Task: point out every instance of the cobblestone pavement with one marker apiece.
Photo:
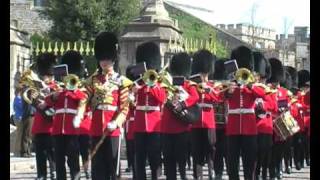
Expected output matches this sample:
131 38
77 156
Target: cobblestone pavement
24 168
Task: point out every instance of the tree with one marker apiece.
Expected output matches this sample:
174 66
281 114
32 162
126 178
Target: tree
75 20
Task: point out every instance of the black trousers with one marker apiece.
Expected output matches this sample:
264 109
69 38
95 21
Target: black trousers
307 147
277 153
203 149
66 145
288 152
130 155
175 151
246 145
147 145
264 154
104 163
221 152
44 151
84 145
299 143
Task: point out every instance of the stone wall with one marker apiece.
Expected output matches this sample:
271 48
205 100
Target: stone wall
28 17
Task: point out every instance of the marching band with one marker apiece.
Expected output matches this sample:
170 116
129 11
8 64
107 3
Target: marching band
259 112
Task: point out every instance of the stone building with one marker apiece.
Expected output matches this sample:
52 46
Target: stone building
294 50
19 57
26 13
153 24
261 38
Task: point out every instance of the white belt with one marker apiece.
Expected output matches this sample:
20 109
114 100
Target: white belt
148 108
205 105
240 111
88 113
66 110
131 119
107 107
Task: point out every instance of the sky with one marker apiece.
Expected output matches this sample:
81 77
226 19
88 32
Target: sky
268 13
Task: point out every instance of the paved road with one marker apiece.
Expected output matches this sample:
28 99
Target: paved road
24 168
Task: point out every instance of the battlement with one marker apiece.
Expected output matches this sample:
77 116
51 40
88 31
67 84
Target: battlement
240 26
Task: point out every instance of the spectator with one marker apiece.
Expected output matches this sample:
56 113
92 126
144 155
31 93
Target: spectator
17 117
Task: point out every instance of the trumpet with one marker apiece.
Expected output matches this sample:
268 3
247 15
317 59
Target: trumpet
71 82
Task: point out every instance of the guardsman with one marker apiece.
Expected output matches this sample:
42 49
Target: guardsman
220 117
175 131
241 128
42 125
76 66
282 100
304 99
203 132
107 96
263 109
129 126
65 128
150 97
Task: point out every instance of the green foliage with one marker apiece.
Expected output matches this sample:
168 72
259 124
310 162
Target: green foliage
193 28
75 20
39 38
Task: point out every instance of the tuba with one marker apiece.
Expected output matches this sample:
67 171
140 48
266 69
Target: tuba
34 92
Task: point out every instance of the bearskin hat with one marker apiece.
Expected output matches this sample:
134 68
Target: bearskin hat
130 74
203 62
294 75
244 57
286 81
73 60
219 70
180 65
45 63
106 46
261 65
277 71
149 52
303 78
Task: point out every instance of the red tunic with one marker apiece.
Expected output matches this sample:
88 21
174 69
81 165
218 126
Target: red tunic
206 102
129 128
149 102
241 116
105 112
172 125
265 124
282 95
66 107
297 113
86 122
40 124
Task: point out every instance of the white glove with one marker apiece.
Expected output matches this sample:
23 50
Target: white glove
76 121
112 126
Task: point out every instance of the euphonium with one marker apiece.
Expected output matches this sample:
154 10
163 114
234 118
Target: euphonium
71 82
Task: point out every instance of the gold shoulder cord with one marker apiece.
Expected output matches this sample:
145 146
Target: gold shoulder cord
124 102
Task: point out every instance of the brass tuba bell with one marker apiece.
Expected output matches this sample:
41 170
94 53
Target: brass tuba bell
71 82
150 77
244 76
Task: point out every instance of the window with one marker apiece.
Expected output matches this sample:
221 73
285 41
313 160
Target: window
40 3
